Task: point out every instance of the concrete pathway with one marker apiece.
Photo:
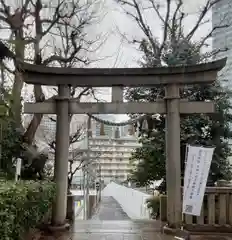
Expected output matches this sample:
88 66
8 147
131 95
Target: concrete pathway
111 223
109 210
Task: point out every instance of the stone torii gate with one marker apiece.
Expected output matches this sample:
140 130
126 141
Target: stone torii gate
170 77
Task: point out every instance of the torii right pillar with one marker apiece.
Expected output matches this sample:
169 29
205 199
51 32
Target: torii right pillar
173 163
173 156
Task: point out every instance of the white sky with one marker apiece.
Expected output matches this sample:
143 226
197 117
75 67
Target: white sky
125 55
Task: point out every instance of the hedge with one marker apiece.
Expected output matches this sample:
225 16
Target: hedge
23 206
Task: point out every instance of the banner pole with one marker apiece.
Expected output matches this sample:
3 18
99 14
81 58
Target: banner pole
186 157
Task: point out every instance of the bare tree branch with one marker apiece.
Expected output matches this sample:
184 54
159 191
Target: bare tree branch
140 21
165 32
209 35
209 4
173 26
55 18
76 16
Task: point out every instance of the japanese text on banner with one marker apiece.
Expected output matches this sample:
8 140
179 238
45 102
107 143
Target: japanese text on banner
195 179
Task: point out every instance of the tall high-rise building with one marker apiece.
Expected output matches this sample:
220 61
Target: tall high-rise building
113 156
222 37
110 155
111 148
222 40
46 131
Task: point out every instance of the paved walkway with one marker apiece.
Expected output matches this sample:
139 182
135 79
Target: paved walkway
109 210
111 223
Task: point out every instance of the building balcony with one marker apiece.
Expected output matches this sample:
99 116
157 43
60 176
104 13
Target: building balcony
114 176
115 169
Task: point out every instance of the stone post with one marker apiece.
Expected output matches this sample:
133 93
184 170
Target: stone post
102 129
61 156
173 165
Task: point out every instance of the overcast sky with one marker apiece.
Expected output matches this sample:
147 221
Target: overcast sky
123 54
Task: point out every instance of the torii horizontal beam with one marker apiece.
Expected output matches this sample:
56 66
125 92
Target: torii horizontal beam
131 77
120 108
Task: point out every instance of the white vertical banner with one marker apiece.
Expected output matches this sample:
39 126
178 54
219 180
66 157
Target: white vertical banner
196 174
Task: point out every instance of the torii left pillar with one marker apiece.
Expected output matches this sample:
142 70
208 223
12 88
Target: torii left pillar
61 156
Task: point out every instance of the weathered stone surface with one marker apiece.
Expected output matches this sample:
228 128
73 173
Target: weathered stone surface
131 77
211 237
110 209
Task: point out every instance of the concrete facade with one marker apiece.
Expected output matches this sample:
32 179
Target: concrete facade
114 156
222 37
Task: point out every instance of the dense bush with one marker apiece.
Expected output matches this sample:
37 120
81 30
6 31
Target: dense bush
23 206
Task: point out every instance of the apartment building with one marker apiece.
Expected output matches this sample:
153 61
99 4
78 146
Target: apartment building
222 40
109 153
222 37
113 156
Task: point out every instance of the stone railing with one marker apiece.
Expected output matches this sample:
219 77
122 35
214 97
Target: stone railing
133 202
216 213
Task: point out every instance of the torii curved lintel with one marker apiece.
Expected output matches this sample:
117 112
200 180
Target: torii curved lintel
108 77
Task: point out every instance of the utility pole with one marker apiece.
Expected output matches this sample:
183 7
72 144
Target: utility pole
100 183
84 191
1 145
86 172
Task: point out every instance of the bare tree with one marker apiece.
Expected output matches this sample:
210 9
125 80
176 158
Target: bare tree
35 27
172 18
67 41
75 136
76 159
73 168
167 41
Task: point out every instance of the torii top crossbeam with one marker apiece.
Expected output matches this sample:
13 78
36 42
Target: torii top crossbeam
131 77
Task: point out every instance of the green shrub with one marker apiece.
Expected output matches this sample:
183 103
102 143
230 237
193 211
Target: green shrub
23 206
153 203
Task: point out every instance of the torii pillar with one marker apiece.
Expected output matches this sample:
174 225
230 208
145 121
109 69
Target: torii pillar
170 77
61 155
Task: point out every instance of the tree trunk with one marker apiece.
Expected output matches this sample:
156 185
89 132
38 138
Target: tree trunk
38 92
37 118
18 80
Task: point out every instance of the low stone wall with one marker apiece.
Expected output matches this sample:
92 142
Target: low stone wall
133 202
216 212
